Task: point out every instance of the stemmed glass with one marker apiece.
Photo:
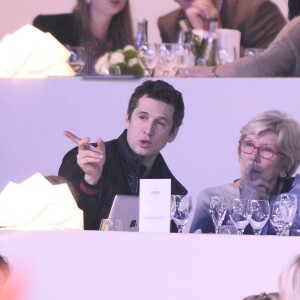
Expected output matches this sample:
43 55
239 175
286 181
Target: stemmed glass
217 210
106 225
240 213
172 206
77 58
185 57
167 59
276 218
260 215
288 205
283 212
148 58
183 210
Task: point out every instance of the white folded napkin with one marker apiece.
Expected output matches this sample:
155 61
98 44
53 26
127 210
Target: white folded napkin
37 204
32 53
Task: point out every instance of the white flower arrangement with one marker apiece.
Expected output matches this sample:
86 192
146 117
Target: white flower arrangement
126 59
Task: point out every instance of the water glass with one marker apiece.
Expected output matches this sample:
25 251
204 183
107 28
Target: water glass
106 225
167 59
217 210
77 58
185 58
260 215
276 218
148 59
288 206
183 210
240 213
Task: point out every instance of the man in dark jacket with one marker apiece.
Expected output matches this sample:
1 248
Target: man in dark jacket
102 170
259 21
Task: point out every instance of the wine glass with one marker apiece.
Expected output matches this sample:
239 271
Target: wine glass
185 57
217 210
106 225
240 213
167 59
260 215
183 210
228 229
77 58
276 217
173 206
148 58
288 206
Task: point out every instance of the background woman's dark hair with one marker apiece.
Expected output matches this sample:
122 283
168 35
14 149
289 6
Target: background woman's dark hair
53 179
162 91
119 34
4 266
294 8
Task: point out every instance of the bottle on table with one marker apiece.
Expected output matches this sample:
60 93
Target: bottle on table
207 50
142 33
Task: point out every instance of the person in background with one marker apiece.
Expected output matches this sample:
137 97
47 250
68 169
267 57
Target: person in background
100 171
280 59
289 281
269 155
98 25
289 284
53 179
259 21
4 271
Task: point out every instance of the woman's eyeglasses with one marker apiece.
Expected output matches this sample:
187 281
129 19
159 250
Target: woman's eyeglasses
263 151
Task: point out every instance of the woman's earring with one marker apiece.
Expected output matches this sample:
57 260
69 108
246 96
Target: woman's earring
282 175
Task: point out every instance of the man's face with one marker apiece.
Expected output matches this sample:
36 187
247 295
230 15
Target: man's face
184 3
149 129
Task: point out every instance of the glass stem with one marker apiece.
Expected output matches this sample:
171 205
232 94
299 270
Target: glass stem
180 228
257 231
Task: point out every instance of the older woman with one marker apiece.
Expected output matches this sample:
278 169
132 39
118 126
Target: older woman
98 25
269 155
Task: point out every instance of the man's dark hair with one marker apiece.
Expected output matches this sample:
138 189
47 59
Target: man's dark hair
4 266
161 91
294 8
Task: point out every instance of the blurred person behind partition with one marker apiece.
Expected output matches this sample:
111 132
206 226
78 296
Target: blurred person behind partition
98 25
259 21
4 271
289 281
280 59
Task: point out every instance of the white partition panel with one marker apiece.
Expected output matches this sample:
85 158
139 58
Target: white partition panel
111 265
34 114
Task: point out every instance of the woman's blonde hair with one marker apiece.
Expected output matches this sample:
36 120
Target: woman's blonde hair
289 281
288 131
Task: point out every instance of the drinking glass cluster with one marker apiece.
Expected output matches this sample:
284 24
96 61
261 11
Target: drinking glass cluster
281 213
167 59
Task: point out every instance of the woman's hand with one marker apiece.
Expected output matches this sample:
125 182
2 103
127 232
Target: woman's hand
199 11
253 189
